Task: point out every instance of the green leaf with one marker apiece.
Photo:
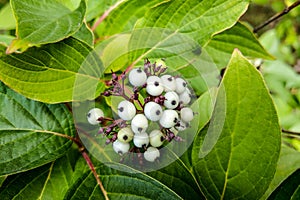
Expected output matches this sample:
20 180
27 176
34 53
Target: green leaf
84 34
7 19
239 36
31 133
49 181
235 157
125 184
53 72
124 16
289 162
5 40
47 22
2 179
193 18
98 7
289 189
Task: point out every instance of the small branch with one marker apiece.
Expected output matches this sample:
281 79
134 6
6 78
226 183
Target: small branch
290 132
105 14
275 17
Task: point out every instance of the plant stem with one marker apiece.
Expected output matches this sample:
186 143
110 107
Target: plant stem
290 132
275 17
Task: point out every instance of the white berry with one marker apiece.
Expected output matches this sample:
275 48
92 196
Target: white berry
180 85
186 114
141 140
185 97
126 110
137 77
168 82
120 147
93 116
169 118
172 100
125 134
153 111
154 86
156 138
139 124
151 154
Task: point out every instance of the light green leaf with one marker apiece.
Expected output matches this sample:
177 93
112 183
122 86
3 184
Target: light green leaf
289 189
7 19
31 133
53 72
289 162
125 184
84 34
196 19
239 36
47 22
235 157
98 7
5 40
49 181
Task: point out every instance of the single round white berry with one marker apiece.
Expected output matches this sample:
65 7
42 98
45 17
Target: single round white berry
172 100
139 124
181 126
125 134
156 138
169 118
180 85
151 154
154 86
168 82
120 147
185 97
186 114
137 77
93 116
141 140
153 111
126 110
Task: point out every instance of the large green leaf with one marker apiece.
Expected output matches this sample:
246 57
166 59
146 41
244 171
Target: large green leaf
239 36
42 22
49 181
52 72
199 20
31 133
235 157
7 20
289 162
125 184
289 189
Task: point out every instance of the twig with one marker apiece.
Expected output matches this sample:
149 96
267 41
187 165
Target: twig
275 17
105 14
290 132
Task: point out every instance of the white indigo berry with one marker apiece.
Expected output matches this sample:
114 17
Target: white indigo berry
186 114
169 118
125 134
180 85
137 77
126 110
151 154
154 86
185 97
141 140
172 100
93 116
156 138
139 124
153 111
168 82
120 147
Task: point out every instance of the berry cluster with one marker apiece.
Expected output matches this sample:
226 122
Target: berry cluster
153 109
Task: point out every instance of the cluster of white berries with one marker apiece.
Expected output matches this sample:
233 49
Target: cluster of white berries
164 101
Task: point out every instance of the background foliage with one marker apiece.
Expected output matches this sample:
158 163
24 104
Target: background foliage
44 43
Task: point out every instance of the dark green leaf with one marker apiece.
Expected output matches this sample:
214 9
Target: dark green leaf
53 73
235 157
85 34
31 133
47 22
